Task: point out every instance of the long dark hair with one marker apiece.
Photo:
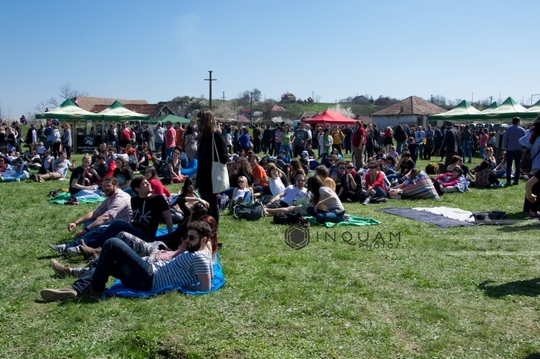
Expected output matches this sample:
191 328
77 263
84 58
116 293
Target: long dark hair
207 123
314 183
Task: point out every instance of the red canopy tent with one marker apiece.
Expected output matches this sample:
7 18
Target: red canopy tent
330 117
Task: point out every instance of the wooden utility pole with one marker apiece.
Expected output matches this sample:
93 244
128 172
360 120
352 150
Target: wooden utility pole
210 79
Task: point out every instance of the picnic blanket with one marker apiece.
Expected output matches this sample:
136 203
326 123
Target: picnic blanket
353 221
118 289
439 217
63 197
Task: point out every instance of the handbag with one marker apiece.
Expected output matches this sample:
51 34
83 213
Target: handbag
220 175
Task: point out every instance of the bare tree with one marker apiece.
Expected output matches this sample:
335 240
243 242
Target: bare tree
40 107
67 91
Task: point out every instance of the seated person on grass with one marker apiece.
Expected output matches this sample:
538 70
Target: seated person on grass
192 269
322 172
325 205
260 179
351 183
292 196
404 166
60 169
454 181
375 182
278 179
117 205
150 252
80 185
242 192
148 209
416 184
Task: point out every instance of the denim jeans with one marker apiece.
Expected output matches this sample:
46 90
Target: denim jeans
466 149
323 216
117 259
98 236
514 156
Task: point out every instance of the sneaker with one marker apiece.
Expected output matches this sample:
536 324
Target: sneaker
73 251
61 270
53 295
366 202
60 248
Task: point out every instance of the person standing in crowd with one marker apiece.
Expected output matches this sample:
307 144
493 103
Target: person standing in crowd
57 141
67 141
256 139
499 143
159 138
419 136
450 144
207 135
300 140
513 150
337 139
359 143
111 136
125 135
170 140
430 135
32 137
466 143
347 141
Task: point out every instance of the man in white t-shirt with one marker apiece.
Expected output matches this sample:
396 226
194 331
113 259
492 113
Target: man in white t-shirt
292 196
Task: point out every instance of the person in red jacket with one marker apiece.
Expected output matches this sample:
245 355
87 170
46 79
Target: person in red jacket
375 186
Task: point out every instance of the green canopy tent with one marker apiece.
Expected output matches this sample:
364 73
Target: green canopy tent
462 112
68 111
534 110
508 109
117 112
172 118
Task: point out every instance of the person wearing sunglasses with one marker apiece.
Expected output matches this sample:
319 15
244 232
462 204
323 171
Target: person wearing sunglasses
292 196
191 270
351 183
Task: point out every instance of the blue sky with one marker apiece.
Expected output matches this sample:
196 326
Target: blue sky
333 49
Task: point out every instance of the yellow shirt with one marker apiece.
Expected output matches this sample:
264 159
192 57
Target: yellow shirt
337 135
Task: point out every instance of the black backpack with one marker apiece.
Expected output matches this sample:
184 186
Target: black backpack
249 211
291 219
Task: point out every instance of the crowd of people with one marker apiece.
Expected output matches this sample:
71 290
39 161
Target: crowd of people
299 170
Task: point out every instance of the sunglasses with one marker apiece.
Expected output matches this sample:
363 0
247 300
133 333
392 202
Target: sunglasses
191 238
350 168
241 181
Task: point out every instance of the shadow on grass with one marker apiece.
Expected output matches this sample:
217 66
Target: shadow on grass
529 288
533 225
533 356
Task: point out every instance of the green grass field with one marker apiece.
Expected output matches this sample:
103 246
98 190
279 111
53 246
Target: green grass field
467 292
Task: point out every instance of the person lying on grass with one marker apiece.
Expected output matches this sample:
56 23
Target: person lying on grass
191 270
150 252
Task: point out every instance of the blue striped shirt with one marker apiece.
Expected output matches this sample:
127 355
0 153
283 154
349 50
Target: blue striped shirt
181 271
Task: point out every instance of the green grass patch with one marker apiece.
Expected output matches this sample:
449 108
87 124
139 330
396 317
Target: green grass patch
467 292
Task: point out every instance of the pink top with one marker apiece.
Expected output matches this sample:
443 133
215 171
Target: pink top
483 140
